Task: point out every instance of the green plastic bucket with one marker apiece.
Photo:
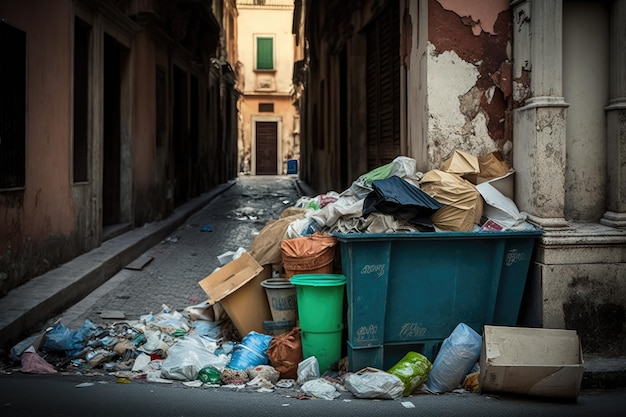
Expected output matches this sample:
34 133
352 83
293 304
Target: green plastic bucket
320 301
325 346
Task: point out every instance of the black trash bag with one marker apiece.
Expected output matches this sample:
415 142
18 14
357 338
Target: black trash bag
402 200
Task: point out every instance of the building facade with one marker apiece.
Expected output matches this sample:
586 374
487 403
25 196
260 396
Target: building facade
541 81
113 114
268 135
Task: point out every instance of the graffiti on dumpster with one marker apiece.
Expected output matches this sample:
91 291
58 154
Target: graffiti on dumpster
379 270
367 333
412 330
513 256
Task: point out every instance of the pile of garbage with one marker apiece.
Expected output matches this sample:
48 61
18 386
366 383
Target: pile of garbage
172 346
465 194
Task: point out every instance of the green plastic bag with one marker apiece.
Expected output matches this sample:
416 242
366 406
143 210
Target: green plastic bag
412 370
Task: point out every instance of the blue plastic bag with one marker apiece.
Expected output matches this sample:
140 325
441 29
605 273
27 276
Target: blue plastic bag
252 351
63 339
458 354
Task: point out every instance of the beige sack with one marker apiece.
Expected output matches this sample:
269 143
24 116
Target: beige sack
463 204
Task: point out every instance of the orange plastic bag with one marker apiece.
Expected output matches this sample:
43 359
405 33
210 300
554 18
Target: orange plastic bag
285 353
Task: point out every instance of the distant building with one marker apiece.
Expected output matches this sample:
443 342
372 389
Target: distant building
268 134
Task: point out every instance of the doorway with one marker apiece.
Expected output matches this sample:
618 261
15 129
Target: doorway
266 154
116 175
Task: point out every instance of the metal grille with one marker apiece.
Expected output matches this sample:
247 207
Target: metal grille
12 106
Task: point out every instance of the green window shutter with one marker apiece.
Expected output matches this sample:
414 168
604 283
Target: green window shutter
264 53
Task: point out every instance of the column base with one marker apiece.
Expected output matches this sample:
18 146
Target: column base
549 223
614 219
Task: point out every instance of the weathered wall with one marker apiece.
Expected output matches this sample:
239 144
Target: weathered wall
469 76
37 224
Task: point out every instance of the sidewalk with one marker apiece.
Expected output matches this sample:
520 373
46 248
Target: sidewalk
181 256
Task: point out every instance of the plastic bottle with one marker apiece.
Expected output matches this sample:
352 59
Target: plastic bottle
209 375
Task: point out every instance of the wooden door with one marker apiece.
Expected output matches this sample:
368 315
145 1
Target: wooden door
266 148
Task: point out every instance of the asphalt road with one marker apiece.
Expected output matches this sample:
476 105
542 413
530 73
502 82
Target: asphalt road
64 395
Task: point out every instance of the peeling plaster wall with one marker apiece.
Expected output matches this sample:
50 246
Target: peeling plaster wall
469 78
455 117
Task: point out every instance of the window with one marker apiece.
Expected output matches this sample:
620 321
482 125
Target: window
12 107
264 53
266 107
82 34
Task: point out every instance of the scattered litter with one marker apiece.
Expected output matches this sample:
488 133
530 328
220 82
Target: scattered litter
171 240
193 384
320 388
285 383
32 363
85 384
123 381
407 404
139 263
206 228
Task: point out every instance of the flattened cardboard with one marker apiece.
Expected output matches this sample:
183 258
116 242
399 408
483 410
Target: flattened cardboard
529 361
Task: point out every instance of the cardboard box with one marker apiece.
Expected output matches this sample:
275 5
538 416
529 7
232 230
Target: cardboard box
529 361
237 287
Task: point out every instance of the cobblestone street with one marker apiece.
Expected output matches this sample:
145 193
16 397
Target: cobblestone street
230 221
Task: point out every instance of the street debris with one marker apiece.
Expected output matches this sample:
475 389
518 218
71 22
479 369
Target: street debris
233 340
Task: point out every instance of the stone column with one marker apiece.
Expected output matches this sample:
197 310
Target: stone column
539 127
616 121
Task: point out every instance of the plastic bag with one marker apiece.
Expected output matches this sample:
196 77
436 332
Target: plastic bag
63 339
32 363
374 383
285 353
412 370
252 351
320 388
188 356
402 166
308 369
458 354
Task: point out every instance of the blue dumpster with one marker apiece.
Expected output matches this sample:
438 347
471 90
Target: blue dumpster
408 291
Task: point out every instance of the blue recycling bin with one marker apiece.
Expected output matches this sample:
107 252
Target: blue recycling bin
408 291
292 166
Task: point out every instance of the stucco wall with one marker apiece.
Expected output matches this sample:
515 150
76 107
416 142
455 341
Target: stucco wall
42 215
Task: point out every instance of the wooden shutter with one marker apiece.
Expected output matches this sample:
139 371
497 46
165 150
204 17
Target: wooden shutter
383 88
264 53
